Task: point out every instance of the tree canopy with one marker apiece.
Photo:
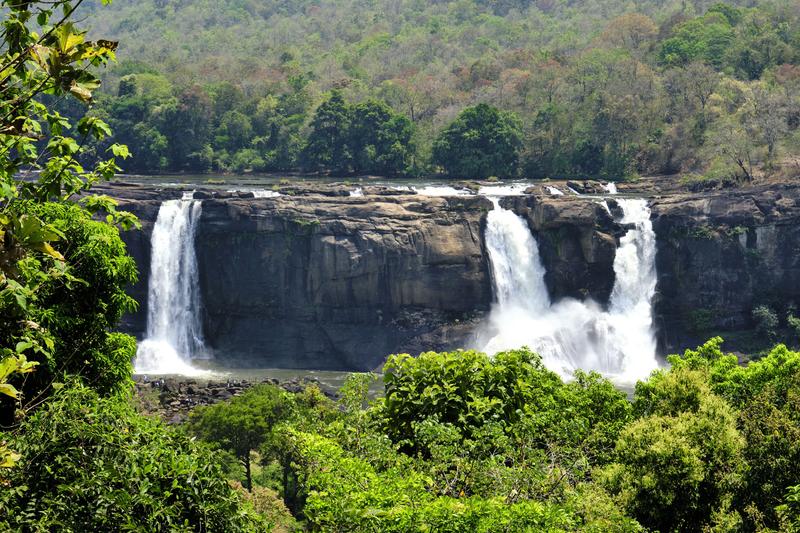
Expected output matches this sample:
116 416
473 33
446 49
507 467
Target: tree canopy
609 90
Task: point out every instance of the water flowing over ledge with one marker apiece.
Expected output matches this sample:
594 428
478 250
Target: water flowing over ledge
317 279
174 329
569 334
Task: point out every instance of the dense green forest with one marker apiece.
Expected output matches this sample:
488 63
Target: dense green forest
456 442
600 88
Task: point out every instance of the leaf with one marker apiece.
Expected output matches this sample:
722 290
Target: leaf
41 55
9 390
120 150
22 346
81 93
46 248
8 458
68 38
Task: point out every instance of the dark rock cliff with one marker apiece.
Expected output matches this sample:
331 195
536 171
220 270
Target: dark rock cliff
720 254
577 240
323 282
330 281
319 279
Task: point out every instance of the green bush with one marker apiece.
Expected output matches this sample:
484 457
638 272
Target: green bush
790 510
679 465
766 321
243 424
512 392
767 402
75 307
347 493
92 464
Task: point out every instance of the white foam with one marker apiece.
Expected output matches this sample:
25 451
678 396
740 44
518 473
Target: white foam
441 190
571 334
174 328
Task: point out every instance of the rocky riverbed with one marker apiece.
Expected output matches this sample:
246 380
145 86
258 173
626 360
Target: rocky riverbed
173 398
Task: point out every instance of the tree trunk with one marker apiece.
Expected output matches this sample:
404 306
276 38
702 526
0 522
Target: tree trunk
248 474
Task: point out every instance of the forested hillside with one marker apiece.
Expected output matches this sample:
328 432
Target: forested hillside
603 88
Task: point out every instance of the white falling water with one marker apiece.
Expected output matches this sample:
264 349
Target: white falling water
517 271
610 187
358 192
554 192
261 193
604 205
174 330
441 190
570 334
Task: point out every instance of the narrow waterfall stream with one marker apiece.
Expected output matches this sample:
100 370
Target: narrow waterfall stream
174 329
570 334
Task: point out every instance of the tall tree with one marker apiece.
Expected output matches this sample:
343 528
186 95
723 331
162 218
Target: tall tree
243 424
381 140
481 142
327 146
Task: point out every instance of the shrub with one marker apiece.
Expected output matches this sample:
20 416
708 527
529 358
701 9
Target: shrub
679 466
465 388
92 464
76 305
790 511
766 321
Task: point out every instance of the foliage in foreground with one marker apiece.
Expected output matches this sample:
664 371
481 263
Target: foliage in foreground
75 303
62 275
463 442
77 457
93 464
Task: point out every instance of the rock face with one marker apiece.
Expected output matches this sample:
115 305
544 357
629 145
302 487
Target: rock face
720 254
319 279
578 241
331 282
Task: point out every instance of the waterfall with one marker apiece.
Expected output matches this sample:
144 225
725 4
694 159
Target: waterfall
570 334
174 329
517 271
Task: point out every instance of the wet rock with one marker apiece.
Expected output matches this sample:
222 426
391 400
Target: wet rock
587 187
